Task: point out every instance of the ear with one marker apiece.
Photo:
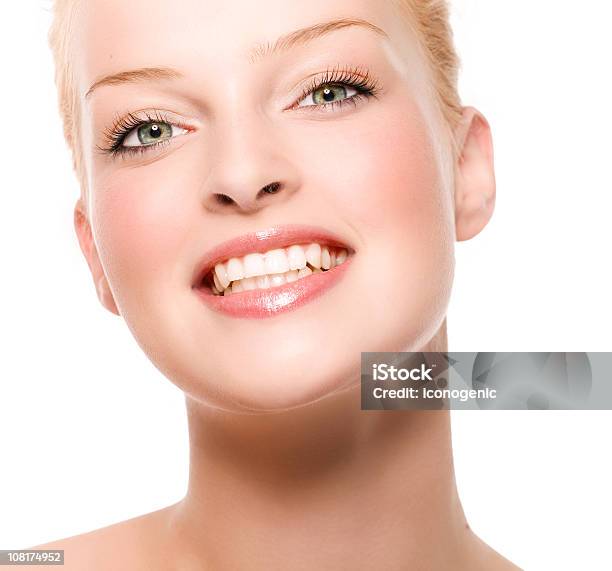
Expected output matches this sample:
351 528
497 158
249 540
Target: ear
88 247
475 175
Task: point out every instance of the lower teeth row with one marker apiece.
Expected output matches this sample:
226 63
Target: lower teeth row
267 281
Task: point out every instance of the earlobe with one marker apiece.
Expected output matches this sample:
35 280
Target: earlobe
105 295
88 247
474 175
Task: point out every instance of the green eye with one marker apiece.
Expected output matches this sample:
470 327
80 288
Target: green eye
150 133
154 132
328 93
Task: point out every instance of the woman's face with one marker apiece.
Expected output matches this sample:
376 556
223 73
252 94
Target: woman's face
323 134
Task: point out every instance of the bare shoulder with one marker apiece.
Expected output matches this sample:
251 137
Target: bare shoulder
134 544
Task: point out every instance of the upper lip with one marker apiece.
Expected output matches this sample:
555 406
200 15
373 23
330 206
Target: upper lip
263 240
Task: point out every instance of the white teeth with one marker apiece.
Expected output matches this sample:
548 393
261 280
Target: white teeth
248 284
217 283
254 265
325 258
304 272
313 255
221 272
296 257
263 282
274 268
277 280
276 262
235 271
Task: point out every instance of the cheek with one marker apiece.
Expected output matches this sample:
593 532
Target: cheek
140 219
383 173
389 191
401 198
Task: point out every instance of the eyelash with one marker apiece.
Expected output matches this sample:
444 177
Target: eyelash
356 78
116 135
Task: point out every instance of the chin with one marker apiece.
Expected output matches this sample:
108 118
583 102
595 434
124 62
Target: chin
276 384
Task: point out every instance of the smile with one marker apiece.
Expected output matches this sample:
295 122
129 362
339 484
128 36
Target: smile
273 268
263 274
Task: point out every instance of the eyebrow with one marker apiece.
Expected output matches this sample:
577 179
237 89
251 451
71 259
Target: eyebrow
305 35
136 75
260 51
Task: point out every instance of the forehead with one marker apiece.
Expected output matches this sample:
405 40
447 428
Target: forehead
115 35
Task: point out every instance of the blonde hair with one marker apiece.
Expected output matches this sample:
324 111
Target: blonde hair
60 32
431 23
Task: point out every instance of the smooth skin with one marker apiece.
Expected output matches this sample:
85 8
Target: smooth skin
286 471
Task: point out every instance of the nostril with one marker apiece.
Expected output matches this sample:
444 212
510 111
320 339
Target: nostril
223 199
271 188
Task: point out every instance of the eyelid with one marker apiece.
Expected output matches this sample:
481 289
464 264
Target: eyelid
357 77
346 86
123 126
134 132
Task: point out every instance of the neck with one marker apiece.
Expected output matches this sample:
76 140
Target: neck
325 486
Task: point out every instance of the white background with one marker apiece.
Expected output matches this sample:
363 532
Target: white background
91 433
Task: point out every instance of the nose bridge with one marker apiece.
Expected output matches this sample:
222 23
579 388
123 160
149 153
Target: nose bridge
248 159
238 134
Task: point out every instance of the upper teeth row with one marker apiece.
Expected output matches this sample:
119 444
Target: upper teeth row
277 262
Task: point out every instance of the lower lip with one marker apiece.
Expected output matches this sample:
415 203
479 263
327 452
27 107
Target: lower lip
262 303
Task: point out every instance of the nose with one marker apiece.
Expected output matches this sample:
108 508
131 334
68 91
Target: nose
250 167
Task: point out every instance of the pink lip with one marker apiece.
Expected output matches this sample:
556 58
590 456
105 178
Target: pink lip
261 303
